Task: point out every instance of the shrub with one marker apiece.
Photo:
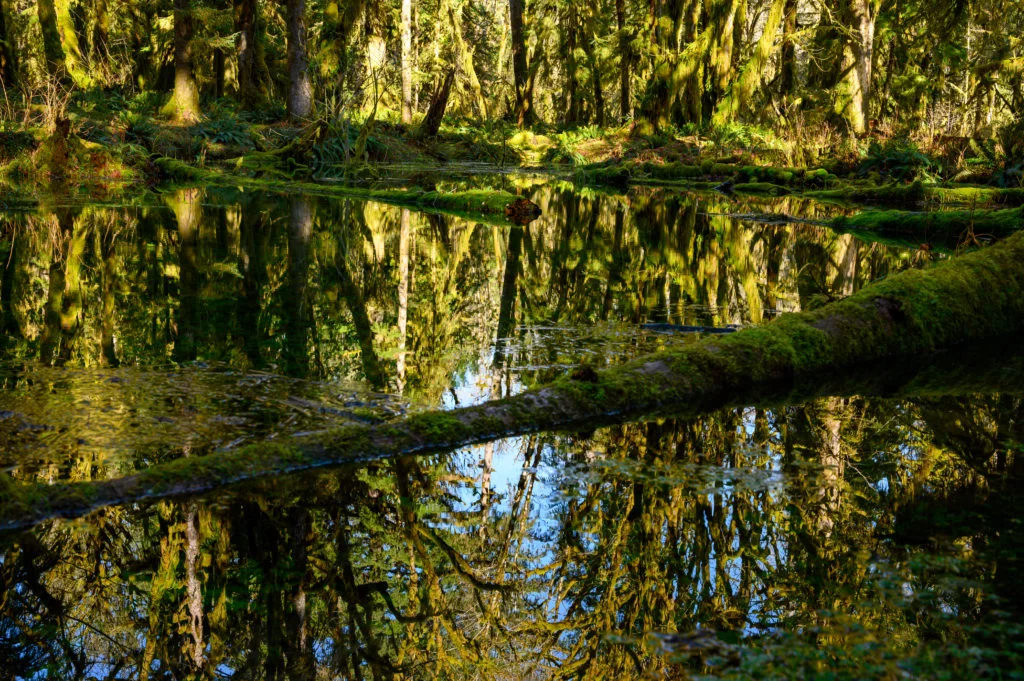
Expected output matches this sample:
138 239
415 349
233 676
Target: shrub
900 159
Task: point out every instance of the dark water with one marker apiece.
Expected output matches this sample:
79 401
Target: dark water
843 537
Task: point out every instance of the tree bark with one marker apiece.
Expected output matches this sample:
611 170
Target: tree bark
595 70
101 29
854 91
8 63
787 75
465 57
52 48
435 114
407 61
245 47
625 110
300 89
184 103
520 70
973 298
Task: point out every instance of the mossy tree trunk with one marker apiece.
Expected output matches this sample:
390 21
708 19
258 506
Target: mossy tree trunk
465 58
681 44
407 61
520 71
435 113
595 67
300 88
625 58
184 103
52 48
8 63
101 29
853 92
245 49
74 57
744 88
787 67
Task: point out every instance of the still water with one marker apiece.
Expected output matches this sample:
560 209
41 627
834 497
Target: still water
853 536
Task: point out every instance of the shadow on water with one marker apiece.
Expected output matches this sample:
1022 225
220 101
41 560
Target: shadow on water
847 536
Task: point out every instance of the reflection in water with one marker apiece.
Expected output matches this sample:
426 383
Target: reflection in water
839 536
786 539
440 310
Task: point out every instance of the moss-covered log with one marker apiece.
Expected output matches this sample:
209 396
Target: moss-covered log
964 225
480 204
972 298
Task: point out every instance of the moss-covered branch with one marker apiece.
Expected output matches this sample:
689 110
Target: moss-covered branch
969 299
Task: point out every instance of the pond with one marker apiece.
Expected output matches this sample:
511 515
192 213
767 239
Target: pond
867 532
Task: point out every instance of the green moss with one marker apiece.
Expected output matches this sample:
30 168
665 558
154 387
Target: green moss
488 205
761 188
937 225
976 196
889 194
610 176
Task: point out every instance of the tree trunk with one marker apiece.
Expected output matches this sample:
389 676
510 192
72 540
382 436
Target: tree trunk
520 70
624 60
465 57
245 27
300 89
407 61
52 48
218 73
854 92
595 70
787 75
973 298
8 65
184 103
101 30
435 114
745 86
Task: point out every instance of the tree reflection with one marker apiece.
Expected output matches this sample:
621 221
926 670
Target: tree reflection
752 521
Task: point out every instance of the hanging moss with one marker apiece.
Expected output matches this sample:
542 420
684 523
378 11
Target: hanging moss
972 298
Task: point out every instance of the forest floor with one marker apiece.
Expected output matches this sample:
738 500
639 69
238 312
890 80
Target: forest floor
108 144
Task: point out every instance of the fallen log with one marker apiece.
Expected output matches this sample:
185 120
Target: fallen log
969 299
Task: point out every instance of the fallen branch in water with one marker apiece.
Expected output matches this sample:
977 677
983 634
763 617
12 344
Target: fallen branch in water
969 299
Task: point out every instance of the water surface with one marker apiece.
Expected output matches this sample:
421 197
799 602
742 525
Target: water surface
849 536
